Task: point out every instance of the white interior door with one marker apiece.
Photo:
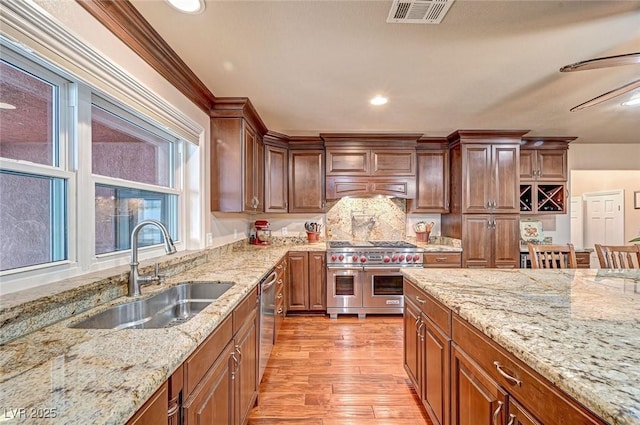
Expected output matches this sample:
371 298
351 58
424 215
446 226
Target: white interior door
604 219
577 222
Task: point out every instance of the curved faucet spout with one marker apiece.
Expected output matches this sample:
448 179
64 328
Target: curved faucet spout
169 247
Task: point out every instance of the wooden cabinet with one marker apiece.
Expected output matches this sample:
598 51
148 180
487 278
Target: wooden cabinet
490 178
432 180
307 289
154 411
491 240
543 175
237 157
476 399
306 180
583 258
282 285
427 352
370 164
465 378
221 376
442 259
276 190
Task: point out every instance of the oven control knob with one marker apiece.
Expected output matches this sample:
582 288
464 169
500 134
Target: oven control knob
386 259
354 258
416 257
409 258
402 258
394 258
363 259
341 257
334 258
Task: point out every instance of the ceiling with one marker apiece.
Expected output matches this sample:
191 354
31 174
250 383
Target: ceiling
312 66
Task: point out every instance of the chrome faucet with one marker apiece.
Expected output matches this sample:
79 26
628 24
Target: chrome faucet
134 279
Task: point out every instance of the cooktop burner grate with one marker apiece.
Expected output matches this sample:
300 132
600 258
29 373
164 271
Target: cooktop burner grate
370 244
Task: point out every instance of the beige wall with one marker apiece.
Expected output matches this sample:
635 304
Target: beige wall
604 156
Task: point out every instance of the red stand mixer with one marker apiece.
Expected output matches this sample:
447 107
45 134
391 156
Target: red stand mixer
262 233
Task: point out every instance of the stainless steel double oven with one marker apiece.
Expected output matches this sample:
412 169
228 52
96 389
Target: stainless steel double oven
364 277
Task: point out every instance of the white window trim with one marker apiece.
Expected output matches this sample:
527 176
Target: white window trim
26 27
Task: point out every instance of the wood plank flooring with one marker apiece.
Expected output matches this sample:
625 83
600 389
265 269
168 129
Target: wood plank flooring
338 372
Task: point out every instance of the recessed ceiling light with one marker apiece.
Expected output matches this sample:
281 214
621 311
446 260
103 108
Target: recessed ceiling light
378 100
188 6
633 102
6 106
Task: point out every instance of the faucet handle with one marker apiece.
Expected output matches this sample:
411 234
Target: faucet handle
159 277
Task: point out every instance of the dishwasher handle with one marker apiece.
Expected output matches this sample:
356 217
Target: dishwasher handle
269 281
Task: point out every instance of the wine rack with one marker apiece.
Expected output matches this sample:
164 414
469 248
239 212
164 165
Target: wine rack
542 198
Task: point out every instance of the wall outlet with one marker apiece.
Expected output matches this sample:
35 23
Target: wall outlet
209 239
235 233
284 231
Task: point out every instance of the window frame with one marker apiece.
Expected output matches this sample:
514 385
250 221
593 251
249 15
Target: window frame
75 100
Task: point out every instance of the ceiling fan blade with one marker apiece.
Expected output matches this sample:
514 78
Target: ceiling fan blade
609 95
604 62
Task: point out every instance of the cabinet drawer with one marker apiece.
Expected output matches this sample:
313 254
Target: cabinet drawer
442 259
197 365
438 314
243 311
583 259
546 402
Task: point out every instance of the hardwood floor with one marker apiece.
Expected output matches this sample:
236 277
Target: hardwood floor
338 372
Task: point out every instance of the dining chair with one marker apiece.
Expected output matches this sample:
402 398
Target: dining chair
553 256
618 257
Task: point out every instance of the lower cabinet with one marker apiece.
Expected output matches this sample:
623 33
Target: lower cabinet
307 291
493 241
464 378
442 259
427 353
218 383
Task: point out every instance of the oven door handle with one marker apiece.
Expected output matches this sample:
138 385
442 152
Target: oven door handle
346 268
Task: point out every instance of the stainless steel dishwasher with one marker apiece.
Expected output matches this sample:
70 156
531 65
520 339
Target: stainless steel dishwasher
267 318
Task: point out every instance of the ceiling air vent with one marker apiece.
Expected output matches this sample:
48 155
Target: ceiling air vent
418 11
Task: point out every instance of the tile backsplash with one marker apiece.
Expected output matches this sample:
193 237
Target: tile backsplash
366 219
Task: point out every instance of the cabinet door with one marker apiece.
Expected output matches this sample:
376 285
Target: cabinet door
387 162
476 249
432 176
306 181
475 398
352 162
253 168
505 192
298 293
477 178
412 341
506 240
317 281
552 165
528 164
436 373
246 375
276 194
212 401
154 411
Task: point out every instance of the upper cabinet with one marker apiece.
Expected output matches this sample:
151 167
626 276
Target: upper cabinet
306 175
487 170
432 177
543 175
237 157
276 170
370 164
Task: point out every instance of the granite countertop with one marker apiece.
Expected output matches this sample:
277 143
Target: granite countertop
578 328
104 376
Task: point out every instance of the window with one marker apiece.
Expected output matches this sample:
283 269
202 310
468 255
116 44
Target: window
134 168
77 172
33 176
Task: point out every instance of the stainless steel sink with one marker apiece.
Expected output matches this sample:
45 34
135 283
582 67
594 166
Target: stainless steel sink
171 307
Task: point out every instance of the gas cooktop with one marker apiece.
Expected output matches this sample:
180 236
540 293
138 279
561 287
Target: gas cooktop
370 244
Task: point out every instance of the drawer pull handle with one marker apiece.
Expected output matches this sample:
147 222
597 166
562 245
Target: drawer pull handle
441 259
512 419
420 300
506 375
497 412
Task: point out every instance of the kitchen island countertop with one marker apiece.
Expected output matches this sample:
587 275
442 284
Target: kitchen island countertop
580 329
